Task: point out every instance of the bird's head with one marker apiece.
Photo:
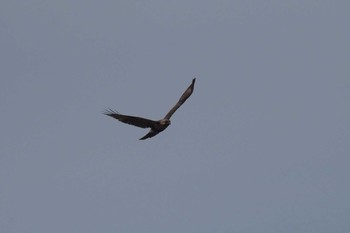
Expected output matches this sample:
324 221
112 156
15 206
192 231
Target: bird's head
165 122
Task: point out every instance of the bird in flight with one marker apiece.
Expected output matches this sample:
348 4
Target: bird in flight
156 126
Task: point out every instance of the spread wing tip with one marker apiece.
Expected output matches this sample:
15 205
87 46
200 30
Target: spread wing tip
110 112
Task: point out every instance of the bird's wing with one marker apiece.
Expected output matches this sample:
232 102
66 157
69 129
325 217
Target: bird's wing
150 134
131 120
182 99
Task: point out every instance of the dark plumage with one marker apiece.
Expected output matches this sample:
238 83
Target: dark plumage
156 126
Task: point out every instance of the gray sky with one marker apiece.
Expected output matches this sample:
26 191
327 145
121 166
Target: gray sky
262 145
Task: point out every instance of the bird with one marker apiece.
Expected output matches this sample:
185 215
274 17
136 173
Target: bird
156 126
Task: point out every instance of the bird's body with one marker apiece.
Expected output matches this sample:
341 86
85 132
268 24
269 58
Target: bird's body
156 126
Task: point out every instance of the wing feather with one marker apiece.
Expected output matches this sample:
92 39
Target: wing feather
131 120
182 99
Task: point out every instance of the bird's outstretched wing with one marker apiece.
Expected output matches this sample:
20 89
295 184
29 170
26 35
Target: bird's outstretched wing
182 99
131 120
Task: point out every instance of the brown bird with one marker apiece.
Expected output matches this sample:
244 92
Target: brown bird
156 126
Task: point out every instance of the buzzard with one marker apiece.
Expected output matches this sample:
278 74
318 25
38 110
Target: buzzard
156 126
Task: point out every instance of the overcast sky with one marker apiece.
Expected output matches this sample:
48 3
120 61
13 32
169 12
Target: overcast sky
262 145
